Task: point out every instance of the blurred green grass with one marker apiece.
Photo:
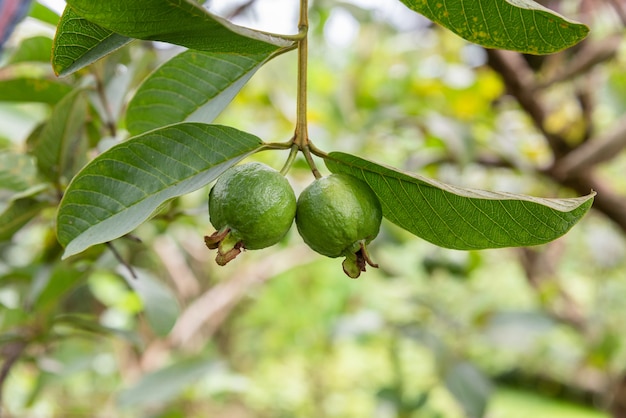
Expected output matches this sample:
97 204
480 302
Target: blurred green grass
513 403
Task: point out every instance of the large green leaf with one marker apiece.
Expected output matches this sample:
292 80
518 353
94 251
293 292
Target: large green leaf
463 219
183 22
60 146
193 86
123 186
519 25
36 90
79 42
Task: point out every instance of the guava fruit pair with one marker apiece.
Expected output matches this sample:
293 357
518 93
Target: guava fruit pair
252 206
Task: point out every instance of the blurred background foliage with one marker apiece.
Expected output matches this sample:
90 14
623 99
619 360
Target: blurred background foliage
282 332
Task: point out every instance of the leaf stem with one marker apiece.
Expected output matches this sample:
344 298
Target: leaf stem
301 135
316 151
292 156
309 159
109 119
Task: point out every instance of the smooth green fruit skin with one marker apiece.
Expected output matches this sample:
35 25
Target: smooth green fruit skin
337 212
256 202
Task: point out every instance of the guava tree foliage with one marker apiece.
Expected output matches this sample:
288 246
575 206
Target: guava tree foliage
174 148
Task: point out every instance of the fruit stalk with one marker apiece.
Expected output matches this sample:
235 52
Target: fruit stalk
301 136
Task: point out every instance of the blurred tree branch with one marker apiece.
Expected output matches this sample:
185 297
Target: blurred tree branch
573 167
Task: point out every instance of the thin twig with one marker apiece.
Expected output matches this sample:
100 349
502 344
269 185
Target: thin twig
594 151
106 106
520 82
619 9
11 352
123 262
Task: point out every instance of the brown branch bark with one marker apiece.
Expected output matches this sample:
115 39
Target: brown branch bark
205 315
520 82
573 167
593 152
590 54
11 353
618 398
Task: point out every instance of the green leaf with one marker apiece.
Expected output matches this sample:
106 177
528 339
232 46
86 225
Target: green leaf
35 49
123 186
159 304
163 385
44 14
37 90
459 218
79 42
60 146
52 283
91 323
11 318
18 171
17 214
518 25
469 387
194 86
184 23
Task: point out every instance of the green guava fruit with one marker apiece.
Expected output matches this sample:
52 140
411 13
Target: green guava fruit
337 216
252 206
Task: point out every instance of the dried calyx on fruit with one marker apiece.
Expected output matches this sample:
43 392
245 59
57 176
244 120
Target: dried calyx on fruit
252 206
338 216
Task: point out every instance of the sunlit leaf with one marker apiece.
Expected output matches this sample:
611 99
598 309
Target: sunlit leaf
459 218
79 42
123 186
194 86
519 25
184 23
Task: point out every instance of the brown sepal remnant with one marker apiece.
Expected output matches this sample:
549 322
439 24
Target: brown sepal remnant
355 264
227 250
213 241
223 258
